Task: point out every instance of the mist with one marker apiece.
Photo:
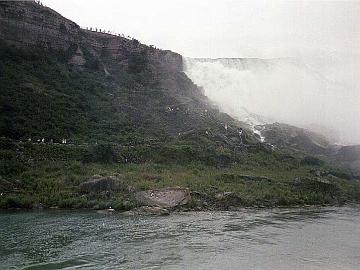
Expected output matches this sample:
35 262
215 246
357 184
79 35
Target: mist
318 93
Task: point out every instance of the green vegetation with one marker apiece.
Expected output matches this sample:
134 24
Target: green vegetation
309 160
102 153
49 176
126 122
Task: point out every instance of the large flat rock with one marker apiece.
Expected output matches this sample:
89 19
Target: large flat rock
166 197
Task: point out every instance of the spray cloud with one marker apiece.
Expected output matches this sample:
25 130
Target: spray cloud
319 93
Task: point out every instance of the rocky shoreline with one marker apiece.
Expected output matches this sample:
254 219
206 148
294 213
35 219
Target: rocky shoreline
164 201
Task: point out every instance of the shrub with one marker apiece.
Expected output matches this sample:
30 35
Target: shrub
16 201
102 153
177 154
312 161
6 143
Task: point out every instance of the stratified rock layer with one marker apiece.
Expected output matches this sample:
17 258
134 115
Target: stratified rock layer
28 24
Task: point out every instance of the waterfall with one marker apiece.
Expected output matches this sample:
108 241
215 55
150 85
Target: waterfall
288 90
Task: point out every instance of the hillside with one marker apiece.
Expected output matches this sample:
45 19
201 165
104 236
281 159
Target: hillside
75 103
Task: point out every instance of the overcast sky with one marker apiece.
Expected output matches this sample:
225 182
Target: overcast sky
226 28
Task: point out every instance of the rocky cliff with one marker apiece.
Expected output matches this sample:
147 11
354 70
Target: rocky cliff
28 24
144 89
60 81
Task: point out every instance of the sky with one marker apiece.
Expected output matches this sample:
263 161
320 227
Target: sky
226 28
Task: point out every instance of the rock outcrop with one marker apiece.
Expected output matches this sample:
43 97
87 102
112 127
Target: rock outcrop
77 59
28 24
283 135
99 184
167 197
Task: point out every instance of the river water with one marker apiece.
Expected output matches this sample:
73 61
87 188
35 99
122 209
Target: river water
298 238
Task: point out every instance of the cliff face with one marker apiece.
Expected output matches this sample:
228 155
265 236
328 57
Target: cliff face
28 24
124 94
90 86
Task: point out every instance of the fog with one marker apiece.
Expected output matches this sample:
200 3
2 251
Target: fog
319 93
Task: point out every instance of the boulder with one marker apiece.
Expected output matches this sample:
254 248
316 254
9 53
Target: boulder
99 183
166 197
148 211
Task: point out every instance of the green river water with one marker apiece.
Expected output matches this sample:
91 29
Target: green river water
297 238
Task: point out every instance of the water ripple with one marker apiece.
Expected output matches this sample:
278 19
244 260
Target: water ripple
298 238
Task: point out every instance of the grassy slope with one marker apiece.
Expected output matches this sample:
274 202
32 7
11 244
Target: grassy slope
53 181
119 124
